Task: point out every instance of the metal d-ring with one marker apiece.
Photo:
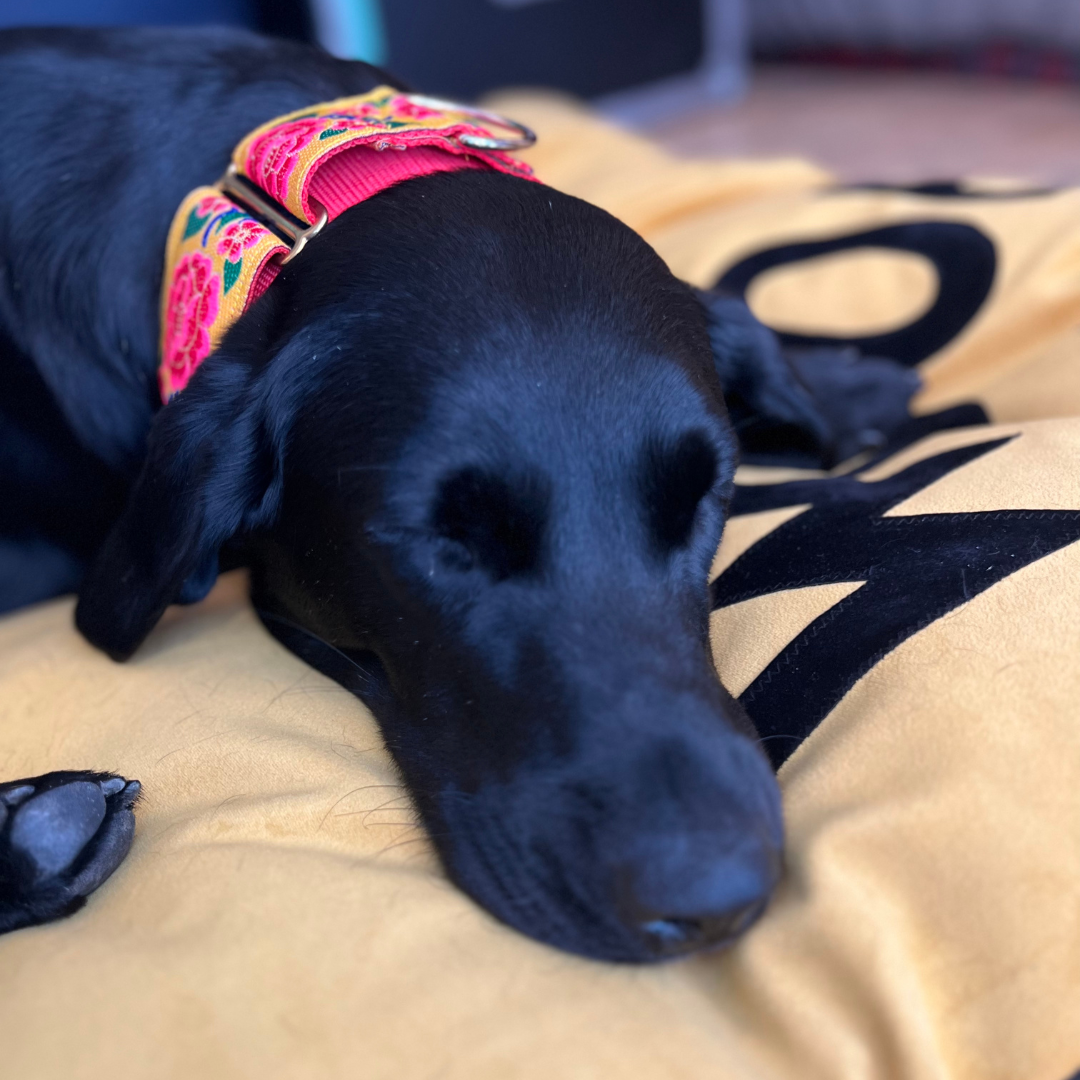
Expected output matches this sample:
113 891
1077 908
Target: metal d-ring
479 142
277 218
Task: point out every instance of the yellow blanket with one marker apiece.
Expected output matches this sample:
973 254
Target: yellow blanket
280 914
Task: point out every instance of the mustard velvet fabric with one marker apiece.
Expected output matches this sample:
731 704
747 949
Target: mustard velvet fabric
281 915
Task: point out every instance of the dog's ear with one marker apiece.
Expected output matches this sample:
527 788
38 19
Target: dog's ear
213 469
817 407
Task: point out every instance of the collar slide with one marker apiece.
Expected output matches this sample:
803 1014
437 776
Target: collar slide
243 192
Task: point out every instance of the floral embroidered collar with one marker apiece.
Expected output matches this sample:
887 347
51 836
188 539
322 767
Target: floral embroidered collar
289 177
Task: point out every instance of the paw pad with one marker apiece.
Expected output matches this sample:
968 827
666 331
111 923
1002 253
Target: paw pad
61 836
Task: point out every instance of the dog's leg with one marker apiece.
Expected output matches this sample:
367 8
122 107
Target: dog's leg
61 836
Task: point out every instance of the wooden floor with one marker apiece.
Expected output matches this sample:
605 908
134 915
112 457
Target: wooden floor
904 127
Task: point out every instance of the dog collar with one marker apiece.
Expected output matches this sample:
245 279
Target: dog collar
287 179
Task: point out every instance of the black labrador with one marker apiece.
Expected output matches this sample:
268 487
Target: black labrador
473 446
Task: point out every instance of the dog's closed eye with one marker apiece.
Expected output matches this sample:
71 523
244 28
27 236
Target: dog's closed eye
676 476
493 524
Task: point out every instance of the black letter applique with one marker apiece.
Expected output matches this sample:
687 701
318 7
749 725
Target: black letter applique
915 570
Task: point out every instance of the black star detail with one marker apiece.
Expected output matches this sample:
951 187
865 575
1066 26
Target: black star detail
915 570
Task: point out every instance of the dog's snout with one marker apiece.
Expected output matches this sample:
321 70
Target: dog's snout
675 847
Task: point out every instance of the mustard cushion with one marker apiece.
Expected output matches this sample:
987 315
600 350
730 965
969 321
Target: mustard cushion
281 915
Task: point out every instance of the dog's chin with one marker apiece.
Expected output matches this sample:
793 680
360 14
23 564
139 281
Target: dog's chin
537 893
621 882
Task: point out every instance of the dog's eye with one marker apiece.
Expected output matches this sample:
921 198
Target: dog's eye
497 525
676 477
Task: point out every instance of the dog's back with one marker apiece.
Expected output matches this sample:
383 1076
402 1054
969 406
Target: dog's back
103 133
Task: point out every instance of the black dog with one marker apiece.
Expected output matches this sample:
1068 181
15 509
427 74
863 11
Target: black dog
474 448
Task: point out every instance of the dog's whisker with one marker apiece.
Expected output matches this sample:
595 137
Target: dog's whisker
388 805
349 794
401 843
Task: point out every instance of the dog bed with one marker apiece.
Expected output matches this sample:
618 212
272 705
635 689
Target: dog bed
906 631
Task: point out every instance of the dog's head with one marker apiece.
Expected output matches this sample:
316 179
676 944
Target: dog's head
475 447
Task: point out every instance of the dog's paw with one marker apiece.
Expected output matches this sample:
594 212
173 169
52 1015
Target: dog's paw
61 836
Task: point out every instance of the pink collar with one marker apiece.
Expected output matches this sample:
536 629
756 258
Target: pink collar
287 179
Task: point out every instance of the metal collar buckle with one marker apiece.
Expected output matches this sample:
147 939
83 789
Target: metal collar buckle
240 189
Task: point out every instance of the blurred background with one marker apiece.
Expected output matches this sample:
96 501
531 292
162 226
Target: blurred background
898 90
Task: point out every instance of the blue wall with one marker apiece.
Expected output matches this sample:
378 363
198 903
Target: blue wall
132 12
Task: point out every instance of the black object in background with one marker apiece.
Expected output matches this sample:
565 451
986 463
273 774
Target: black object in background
462 48
458 48
284 18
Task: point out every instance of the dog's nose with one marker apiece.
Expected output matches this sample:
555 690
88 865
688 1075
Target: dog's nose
678 936
698 850
683 901
684 893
